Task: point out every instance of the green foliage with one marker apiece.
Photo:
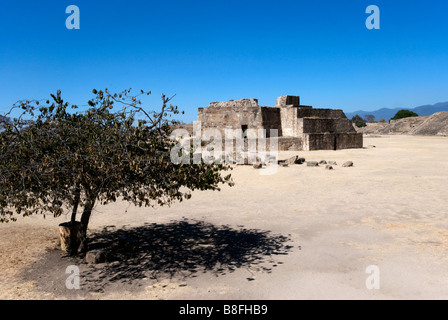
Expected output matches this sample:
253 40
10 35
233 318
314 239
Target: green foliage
404 114
54 157
358 121
370 118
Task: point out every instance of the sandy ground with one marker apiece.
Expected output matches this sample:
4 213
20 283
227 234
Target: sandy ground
302 233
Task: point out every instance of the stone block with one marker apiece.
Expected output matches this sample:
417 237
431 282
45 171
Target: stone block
288 100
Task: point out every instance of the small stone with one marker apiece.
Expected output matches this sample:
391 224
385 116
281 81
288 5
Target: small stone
95 256
328 167
348 164
258 165
332 163
312 164
322 162
292 160
300 160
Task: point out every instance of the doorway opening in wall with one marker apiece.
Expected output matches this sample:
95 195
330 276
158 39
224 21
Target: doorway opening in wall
335 145
244 130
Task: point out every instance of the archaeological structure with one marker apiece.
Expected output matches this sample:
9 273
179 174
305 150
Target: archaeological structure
298 127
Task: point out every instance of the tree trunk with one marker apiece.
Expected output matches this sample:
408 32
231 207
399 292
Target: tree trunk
69 235
85 217
69 231
74 225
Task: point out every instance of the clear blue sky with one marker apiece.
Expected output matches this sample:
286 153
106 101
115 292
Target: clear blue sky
205 51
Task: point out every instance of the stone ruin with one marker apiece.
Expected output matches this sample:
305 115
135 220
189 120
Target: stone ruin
299 127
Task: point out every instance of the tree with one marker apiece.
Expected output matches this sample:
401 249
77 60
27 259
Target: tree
404 114
4 121
382 120
358 121
54 158
370 118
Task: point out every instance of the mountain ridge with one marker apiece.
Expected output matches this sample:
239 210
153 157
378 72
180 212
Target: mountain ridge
388 113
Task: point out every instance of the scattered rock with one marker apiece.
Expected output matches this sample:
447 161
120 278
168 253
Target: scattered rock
332 163
348 164
292 160
258 165
328 167
322 162
288 161
300 160
312 164
280 162
95 256
284 164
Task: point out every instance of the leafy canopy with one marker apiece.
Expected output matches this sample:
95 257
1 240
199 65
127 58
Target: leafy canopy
54 157
358 121
404 114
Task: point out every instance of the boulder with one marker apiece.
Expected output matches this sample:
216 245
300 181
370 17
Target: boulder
292 160
322 162
312 164
95 256
300 160
332 163
328 167
288 161
348 164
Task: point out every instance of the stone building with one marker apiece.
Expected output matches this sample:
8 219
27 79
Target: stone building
299 127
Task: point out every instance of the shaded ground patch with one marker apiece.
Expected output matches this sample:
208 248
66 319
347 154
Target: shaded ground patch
155 252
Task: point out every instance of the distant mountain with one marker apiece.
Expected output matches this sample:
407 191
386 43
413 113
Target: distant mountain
386 113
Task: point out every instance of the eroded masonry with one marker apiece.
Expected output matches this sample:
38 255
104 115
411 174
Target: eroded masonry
298 127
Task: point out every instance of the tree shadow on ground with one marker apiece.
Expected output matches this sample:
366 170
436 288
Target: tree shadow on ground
181 249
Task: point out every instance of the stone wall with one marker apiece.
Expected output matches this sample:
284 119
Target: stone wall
322 125
288 144
321 113
231 115
271 119
236 104
349 140
289 124
332 141
299 127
